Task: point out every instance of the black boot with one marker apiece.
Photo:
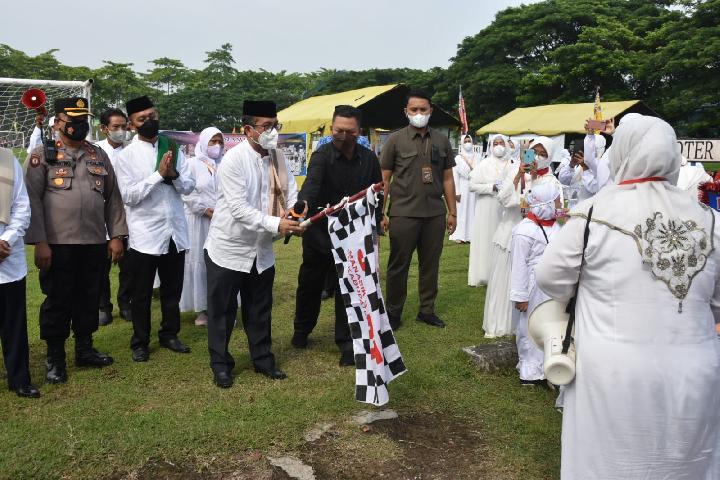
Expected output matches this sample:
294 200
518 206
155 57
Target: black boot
87 356
56 370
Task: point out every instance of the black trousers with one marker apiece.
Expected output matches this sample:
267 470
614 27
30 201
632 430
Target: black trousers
124 293
13 333
255 290
170 268
72 291
316 266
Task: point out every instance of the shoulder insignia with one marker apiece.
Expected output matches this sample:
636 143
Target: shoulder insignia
34 160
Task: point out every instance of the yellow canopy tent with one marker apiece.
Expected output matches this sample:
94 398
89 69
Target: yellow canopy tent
382 107
552 120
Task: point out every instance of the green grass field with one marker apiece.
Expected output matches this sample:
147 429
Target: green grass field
109 422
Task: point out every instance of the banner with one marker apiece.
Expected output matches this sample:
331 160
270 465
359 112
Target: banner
294 145
462 113
700 150
353 234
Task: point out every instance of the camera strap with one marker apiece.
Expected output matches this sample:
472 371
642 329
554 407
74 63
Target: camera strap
571 304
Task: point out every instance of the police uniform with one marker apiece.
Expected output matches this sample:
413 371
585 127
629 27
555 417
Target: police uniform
74 198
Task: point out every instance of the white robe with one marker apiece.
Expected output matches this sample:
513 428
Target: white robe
466 206
528 245
645 402
204 196
498 313
487 215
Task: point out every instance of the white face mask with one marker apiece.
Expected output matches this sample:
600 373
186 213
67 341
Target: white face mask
268 139
214 151
468 147
499 151
419 120
116 136
542 161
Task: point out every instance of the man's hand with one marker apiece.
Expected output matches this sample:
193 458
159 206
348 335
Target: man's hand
166 168
209 212
385 225
451 223
521 306
4 250
115 250
40 120
43 256
289 227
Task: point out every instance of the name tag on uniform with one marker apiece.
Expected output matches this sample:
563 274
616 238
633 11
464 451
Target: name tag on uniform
427 174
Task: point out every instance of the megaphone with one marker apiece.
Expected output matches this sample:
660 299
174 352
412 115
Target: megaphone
547 326
34 99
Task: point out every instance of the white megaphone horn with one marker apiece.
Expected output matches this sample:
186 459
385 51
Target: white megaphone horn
547 326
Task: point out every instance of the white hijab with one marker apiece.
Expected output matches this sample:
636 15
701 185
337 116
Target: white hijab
549 148
491 141
202 144
542 200
673 232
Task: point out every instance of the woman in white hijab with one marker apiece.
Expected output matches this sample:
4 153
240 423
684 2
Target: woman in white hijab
645 402
691 176
199 208
485 180
530 237
465 161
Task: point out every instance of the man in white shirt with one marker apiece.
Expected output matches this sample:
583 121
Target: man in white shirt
256 189
113 124
14 219
152 174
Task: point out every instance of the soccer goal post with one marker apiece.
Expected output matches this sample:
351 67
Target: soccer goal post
17 121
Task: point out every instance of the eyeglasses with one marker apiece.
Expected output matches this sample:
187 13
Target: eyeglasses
268 126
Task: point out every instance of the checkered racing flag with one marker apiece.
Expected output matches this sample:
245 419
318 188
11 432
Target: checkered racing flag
353 234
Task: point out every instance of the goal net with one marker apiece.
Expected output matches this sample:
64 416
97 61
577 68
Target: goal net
17 121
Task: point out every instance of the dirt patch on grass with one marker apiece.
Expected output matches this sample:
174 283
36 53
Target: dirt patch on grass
416 446
420 446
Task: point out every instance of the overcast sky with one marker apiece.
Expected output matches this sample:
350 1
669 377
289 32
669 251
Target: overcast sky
273 35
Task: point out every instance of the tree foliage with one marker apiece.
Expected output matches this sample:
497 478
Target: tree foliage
665 52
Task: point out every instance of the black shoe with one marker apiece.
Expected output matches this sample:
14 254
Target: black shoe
55 363
430 319
56 372
126 314
175 345
140 354
27 391
92 358
347 359
223 379
325 295
275 373
395 322
299 340
105 318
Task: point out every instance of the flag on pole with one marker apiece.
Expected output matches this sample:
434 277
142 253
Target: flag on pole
353 233
462 114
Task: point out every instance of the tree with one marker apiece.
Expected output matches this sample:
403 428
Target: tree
168 75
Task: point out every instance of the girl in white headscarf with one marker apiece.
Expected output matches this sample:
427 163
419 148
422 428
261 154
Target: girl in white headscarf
465 161
645 402
529 239
199 208
691 177
485 181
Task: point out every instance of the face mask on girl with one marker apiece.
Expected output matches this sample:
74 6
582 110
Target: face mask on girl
214 151
468 147
499 151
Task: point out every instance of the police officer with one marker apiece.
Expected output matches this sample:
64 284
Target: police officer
74 197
